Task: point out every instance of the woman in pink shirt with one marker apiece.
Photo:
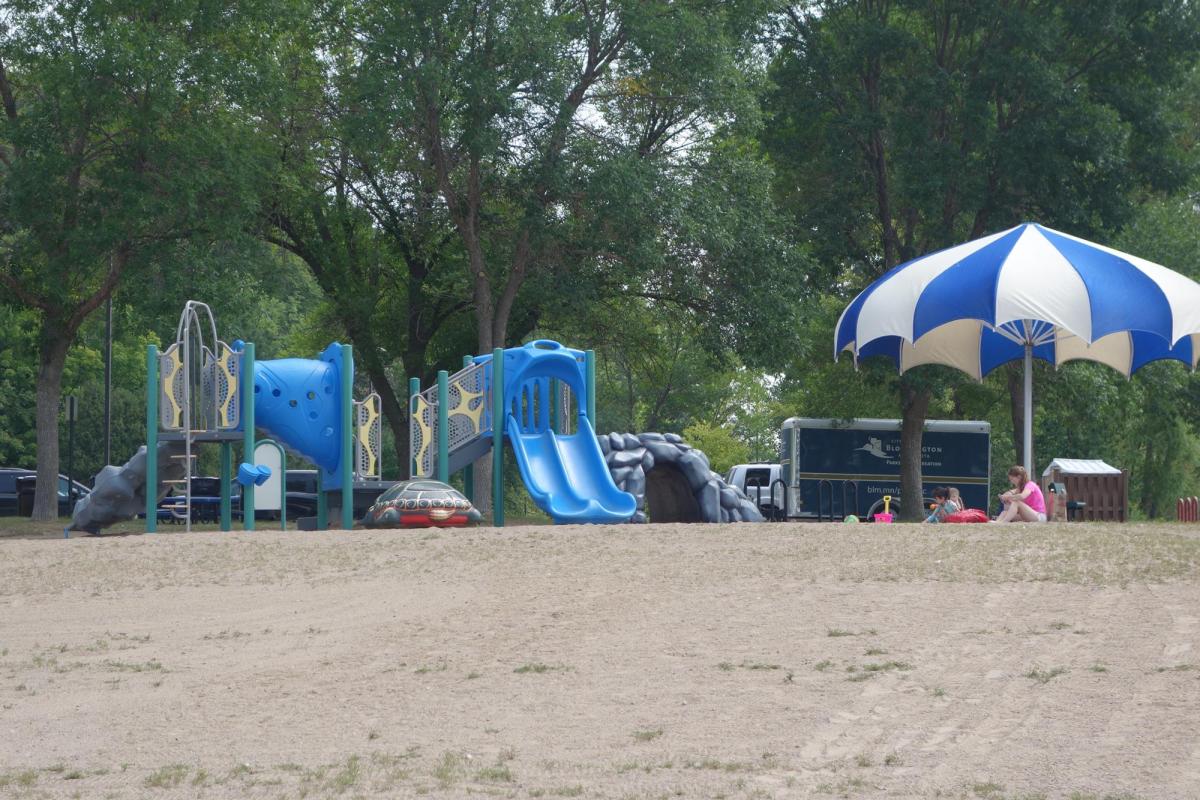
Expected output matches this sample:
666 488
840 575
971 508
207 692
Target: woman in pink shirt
1024 502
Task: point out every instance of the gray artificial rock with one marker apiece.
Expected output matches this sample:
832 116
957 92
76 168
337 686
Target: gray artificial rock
631 457
728 498
694 469
709 497
663 452
625 458
120 492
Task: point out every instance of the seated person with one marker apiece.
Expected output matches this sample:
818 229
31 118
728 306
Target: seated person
1024 502
944 505
956 498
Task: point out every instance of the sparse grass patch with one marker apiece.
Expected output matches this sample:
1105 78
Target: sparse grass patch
496 774
438 667
1178 668
759 665
152 665
539 668
473 675
862 760
892 760
647 736
346 777
835 632
1097 667
821 666
449 769
723 766
989 789
1061 626
167 777
567 791
1045 675
22 778
875 651
887 666
939 692
725 666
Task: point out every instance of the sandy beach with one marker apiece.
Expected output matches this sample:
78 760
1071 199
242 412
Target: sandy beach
765 661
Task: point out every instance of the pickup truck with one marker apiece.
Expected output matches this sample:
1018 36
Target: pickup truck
758 482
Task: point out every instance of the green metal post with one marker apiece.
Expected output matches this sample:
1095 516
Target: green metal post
151 438
226 486
348 437
589 360
414 389
247 390
469 470
322 504
498 422
282 490
443 423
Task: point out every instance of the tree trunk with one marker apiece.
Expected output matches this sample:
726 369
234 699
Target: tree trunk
912 431
52 356
1016 397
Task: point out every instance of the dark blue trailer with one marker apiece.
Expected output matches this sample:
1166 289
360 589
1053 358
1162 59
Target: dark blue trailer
834 468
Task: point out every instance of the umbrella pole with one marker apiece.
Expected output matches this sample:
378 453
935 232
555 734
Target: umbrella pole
1028 415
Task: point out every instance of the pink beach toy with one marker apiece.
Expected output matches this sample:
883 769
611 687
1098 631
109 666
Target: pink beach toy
887 505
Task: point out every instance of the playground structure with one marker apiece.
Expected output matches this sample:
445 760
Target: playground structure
195 395
545 407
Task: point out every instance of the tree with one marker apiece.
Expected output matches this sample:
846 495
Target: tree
116 140
515 104
346 200
904 127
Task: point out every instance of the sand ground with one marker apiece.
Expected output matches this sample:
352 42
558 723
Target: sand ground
696 661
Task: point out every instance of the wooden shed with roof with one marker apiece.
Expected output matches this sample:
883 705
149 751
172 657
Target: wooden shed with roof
1100 489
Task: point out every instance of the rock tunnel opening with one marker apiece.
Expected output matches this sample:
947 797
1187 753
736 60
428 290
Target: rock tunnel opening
668 496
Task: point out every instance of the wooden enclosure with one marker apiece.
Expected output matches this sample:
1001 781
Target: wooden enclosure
1106 495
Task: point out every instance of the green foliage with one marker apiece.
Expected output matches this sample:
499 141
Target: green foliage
719 444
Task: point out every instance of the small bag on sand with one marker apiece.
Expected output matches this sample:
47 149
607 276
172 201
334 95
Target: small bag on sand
967 515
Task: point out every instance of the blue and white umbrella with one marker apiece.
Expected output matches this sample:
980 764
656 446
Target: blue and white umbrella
1027 292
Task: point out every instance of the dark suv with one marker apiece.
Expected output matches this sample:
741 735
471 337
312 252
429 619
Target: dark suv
11 487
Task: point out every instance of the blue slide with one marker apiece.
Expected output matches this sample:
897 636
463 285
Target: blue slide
567 477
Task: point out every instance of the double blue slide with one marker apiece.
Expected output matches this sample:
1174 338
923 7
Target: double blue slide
565 473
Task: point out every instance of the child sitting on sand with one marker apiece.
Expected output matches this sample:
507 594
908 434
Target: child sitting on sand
944 505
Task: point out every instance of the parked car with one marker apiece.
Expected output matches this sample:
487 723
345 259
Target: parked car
206 501
16 480
758 482
301 493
